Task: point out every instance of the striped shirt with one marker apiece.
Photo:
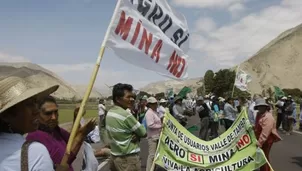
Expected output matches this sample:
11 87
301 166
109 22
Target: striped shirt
121 126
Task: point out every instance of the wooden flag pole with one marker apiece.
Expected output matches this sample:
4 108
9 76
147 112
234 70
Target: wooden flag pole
235 81
89 88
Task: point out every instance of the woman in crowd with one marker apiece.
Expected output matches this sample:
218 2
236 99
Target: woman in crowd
154 126
265 129
288 116
230 113
19 115
55 138
214 126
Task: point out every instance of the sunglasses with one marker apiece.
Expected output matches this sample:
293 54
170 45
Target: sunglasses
51 112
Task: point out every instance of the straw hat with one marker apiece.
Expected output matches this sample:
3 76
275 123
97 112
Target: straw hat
14 90
151 100
200 98
144 97
260 102
284 98
163 101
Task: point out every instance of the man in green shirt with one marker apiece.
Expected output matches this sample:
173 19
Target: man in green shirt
124 131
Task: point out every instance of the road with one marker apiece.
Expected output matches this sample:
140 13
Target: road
285 155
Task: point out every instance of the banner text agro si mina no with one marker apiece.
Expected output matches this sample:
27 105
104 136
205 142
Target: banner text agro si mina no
233 150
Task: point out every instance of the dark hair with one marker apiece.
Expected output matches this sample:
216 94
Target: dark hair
76 111
47 99
229 99
4 127
118 90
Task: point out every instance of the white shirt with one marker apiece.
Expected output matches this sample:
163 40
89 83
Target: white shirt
82 122
10 155
280 104
90 161
161 111
252 113
102 109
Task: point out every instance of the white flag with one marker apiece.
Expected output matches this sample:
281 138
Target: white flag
242 79
152 35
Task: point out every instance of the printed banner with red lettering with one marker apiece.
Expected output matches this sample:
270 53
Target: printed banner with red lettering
151 35
234 150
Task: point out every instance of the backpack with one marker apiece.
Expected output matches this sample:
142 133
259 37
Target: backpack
205 112
213 114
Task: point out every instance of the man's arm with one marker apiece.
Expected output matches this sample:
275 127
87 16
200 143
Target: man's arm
267 127
135 126
151 122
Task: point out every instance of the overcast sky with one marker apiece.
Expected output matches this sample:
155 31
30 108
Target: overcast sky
64 36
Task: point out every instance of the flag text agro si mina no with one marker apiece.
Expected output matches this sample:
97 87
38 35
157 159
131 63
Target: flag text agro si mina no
151 35
233 150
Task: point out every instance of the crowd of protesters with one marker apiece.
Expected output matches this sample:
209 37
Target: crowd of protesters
29 109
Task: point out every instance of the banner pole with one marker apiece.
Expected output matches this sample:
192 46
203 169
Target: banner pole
89 88
161 133
235 81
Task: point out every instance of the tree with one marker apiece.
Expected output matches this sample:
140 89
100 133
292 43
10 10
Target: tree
160 95
223 84
200 91
209 81
270 92
263 93
293 92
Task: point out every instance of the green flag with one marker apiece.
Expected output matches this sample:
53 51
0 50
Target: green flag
278 92
184 91
169 92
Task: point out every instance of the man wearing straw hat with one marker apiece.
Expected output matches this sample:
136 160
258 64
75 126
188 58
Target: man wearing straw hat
19 115
178 111
154 126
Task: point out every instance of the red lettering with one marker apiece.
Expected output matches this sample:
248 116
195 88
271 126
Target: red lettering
124 26
244 141
146 41
137 29
196 158
193 157
240 143
174 64
156 50
199 158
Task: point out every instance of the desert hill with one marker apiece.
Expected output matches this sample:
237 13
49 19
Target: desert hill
278 63
161 86
44 77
